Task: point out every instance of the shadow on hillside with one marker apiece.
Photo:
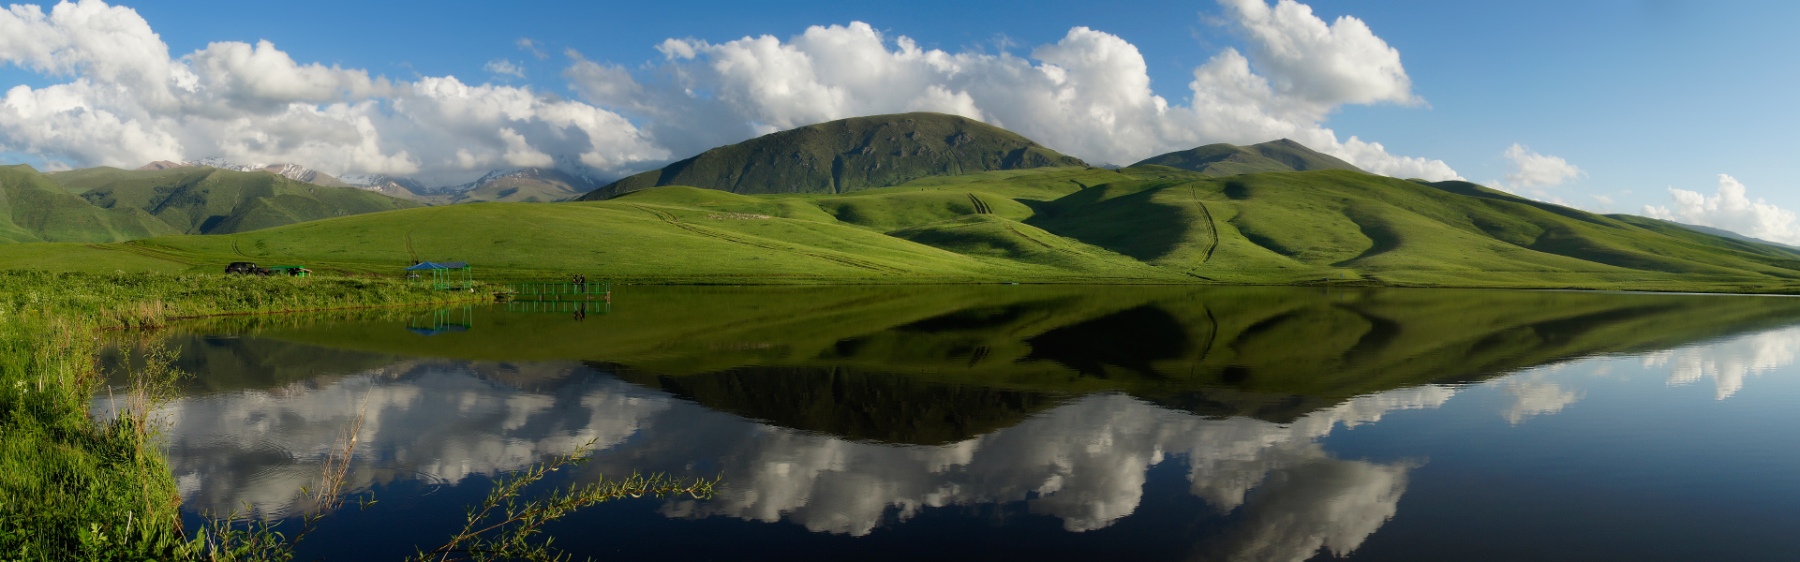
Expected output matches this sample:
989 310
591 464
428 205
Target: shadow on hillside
1132 225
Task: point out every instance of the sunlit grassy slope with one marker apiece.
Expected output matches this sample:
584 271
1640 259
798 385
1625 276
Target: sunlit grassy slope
35 209
199 200
1142 224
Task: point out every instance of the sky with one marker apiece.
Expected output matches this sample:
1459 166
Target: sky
1672 109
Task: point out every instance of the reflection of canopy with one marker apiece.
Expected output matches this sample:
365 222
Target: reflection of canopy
439 265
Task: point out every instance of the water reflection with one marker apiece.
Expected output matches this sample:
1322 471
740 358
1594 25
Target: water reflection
437 421
1534 396
1729 363
1083 462
1056 401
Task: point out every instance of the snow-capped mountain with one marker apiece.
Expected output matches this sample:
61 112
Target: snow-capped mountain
390 186
294 172
524 184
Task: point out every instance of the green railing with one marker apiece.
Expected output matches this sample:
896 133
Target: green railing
560 291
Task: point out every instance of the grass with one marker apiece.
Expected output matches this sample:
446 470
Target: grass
1143 225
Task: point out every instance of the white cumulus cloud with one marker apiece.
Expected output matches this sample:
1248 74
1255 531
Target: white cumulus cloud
1531 171
1088 94
124 99
128 101
1730 208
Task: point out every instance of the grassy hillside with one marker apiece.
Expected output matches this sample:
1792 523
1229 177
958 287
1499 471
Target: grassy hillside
35 209
849 155
1229 160
201 200
1149 224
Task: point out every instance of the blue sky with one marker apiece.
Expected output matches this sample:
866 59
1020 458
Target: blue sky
1638 96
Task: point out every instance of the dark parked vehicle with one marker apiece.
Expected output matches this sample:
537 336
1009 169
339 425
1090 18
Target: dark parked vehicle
246 268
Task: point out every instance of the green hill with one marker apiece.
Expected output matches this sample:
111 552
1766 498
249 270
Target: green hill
848 155
35 209
1136 225
1229 159
203 200
1071 224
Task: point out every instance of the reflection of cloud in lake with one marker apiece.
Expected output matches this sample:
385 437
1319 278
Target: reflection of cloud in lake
434 421
1085 462
1729 363
1533 397
1325 503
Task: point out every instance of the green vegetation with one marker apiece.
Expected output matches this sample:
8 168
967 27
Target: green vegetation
199 200
1149 224
973 203
502 528
113 205
35 209
73 486
1229 160
848 155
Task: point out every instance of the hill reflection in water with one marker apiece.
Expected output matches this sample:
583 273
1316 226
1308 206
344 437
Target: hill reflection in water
849 410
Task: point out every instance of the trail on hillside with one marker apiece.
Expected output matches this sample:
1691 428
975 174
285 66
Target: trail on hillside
981 207
1211 229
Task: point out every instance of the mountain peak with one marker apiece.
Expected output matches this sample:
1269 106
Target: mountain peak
163 165
294 172
851 154
1280 155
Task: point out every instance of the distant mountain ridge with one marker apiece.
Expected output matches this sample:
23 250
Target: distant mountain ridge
849 155
391 186
1222 159
525 185
1720 232
294 172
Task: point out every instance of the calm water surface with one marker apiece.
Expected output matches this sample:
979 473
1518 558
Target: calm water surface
1044 423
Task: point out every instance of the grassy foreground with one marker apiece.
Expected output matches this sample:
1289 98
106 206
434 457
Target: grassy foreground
80 488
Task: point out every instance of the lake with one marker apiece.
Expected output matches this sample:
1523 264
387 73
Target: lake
1026 422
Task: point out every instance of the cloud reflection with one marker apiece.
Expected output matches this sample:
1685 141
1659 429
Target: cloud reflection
1532 396
1728 363
434 421
1084 462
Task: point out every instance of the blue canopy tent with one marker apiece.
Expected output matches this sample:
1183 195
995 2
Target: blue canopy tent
446 274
